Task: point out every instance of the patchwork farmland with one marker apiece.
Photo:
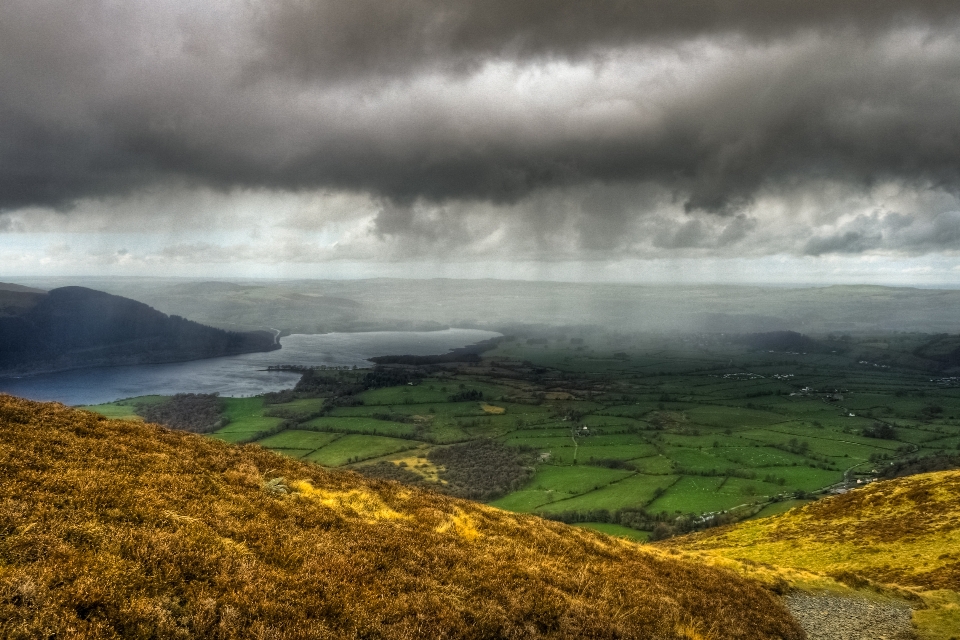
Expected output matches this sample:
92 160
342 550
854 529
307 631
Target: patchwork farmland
621 431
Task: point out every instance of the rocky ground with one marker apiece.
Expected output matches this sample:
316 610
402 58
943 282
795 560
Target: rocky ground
829 617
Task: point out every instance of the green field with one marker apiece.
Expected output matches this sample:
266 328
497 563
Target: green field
361 425
632 424
635 491
616 530
295 439
575 480
247 419
354 448
528 499
123 409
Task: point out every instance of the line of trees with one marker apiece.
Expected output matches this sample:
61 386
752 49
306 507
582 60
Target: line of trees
661 525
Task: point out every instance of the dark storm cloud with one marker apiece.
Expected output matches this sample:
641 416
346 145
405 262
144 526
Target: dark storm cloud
332 38
384 97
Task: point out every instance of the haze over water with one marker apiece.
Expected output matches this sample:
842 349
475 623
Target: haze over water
241 375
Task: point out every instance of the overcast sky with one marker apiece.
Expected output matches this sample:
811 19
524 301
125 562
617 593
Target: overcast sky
647 140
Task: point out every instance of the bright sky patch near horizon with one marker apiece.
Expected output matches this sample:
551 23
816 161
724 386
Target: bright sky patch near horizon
762 141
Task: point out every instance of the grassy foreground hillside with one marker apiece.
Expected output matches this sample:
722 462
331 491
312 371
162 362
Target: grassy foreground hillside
122 529
900 536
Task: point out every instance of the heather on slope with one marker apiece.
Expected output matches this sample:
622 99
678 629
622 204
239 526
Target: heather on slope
904 532
123 529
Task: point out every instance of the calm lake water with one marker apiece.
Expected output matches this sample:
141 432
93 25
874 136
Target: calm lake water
236 375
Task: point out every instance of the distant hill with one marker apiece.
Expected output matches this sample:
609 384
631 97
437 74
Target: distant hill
7 286
318 306
470 353
74 327
901 535
123 529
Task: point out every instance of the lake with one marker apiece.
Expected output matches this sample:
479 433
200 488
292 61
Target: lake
235 376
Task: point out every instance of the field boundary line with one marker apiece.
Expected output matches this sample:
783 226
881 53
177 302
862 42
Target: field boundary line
861 444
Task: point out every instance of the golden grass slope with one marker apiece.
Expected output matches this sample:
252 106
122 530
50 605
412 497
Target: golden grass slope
902 533
123 529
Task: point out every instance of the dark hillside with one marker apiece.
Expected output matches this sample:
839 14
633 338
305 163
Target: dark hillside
15 303
113 529
75 326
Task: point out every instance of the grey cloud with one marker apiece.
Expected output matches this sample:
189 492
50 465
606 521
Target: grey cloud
846 242
690 234
942 233
324 39
892 232
101 99
703 232
8 225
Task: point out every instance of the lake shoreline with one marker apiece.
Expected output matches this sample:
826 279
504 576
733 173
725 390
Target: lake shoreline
238 375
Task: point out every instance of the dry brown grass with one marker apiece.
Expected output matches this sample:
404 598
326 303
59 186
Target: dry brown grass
123 529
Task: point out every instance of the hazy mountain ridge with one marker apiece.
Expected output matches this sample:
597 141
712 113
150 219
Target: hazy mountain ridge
73 327
198 538
319 306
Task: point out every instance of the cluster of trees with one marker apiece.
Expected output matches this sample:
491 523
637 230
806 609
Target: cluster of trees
195 412
279 397
613 463
477 470
483 469
467 395
661 525
389 471
394 417
293 415
932 410
798 447
880 430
